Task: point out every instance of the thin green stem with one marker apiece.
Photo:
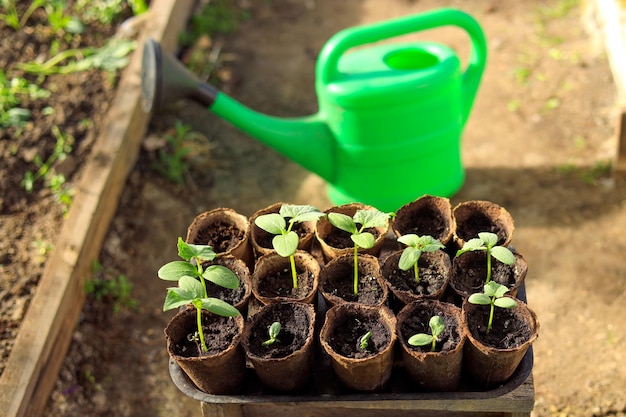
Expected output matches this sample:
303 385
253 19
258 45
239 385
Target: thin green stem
417 272
491 315
488 267
294 275
356 269
200 272
432 347
200 332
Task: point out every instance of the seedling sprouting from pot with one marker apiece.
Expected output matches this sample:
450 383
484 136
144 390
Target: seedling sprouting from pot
361 238
286 241
416 245
190 290
364 341
488 242
437 326
492 295
273 332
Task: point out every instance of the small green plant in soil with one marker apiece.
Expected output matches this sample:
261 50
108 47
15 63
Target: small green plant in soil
493 296
488 242
114 289
364 341
45 170
286 241
361 238
172 156
273 332
11 114
437 327
416 245
111 57
191 266
192 291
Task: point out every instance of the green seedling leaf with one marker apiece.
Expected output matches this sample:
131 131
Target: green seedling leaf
364 341
503 254
189 251
273 331
489 239
286 245
410 256
222 276
364 240
272 223
192 286
300 213
343 222
371 218
437 325
219 307
505 302
479 298
471 245
176 297
175 270
420 339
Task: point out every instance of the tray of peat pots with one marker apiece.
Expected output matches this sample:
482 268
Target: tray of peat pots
350 318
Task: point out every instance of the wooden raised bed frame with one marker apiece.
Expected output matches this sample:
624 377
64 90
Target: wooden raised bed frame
46 331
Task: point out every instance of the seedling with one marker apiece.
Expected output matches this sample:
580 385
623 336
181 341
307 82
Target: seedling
416 245
361 238
194 256
437 326
488 242
286 241
364 341
10 91
192 291
111 57
273 331
492 295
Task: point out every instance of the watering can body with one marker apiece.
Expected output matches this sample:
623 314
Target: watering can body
390 117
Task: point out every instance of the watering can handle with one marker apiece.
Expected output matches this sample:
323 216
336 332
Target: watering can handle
328 62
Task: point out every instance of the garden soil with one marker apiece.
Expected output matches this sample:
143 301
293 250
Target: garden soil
538 142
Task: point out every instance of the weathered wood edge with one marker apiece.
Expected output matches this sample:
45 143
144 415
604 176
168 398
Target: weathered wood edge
612 23
44 337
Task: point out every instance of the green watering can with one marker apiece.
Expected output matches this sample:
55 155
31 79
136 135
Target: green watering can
390 117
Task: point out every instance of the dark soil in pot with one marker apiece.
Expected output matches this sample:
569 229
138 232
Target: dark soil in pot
469 273
219 333
346 337
417 322
476 216
340 239
272 280
337 280
293 334
434 273
280 284
508 331
428 215
220 236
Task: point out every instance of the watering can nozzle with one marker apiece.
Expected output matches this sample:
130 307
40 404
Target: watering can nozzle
164 79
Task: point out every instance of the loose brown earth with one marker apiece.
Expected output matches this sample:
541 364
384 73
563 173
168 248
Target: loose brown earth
541 128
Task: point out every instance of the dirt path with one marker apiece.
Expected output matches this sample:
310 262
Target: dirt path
537 142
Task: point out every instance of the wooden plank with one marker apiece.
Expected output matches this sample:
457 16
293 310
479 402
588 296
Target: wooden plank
44 337
610 18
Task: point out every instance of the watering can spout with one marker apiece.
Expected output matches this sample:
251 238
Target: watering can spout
305 140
